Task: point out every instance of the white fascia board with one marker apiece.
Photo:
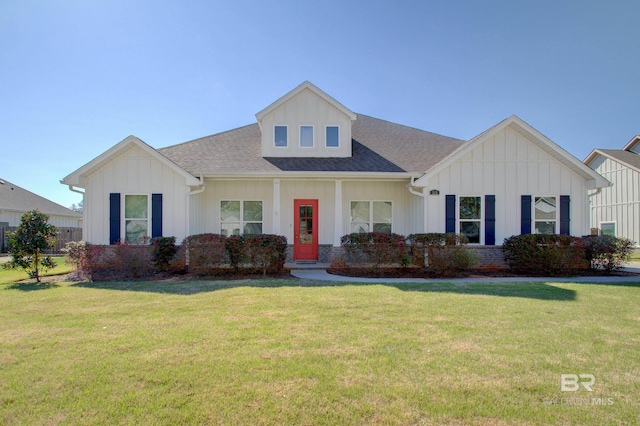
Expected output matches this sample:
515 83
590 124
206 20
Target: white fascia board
77 178
312 175
634 140
597 152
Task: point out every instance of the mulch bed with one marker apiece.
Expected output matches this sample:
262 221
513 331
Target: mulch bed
472 273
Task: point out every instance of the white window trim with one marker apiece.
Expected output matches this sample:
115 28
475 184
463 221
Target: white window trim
609 222
556 229
325 137
274 137
313 136
371 222
481 220
241 218
123 209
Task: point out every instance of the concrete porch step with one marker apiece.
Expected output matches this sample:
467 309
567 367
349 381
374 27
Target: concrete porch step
306 265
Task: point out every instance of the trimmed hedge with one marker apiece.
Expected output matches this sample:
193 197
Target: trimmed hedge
374 248
544 253
163 249
607 252
443 254
209 252
205 252
265 252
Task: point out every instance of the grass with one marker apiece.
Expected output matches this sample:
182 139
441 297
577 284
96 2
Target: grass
291 351
11 276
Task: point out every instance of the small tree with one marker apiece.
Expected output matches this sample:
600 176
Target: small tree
28 242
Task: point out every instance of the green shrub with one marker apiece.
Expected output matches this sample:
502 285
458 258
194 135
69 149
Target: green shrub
607 252
265 252
163 249
206 252
443 254
544 253
131 260
234 247
75 252
374 248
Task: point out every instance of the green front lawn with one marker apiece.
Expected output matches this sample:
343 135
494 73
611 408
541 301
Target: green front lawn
304 352
13 275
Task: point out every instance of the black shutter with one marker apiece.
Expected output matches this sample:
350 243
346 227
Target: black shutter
450 214
490 220
565 215
114 218
525 215
156 215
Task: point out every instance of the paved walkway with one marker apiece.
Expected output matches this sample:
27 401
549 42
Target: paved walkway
323 275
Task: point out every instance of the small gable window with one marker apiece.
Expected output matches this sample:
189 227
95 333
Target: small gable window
280 136
306 136
332 136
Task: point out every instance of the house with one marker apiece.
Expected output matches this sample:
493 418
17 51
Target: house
313 170
615 210
16 201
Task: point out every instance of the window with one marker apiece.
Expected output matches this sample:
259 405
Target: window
608 228
544 215
332 137
371 216
470 215
306 136
280 136
136 219
240 215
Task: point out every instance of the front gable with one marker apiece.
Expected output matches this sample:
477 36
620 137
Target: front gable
306 122
515 142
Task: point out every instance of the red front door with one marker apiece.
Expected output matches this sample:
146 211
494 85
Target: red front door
305 243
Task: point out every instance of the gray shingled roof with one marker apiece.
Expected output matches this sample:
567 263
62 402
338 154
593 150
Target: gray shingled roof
378 146
627 157
14 198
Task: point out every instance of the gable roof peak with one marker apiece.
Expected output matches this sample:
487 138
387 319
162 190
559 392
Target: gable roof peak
634 141
306 85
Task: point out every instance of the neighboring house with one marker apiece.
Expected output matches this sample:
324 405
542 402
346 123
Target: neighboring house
312 170
16 201
616 210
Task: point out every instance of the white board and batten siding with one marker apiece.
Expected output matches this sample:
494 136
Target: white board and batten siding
508 165
135 172
306 109
205 207
619 204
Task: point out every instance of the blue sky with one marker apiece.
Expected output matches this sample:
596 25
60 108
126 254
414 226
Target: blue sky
78 76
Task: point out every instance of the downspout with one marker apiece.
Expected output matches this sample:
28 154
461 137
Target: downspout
84 219
589 208
203 186
72 189
413 191
424 202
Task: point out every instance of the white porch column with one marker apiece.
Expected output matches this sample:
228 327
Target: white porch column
276 207
338 222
